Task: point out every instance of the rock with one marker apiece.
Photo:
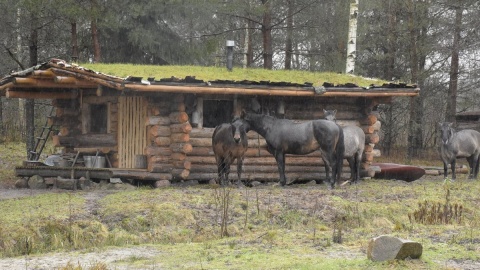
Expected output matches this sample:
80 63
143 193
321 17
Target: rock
212 182
384 248
21 183
37 182
255 183
161 183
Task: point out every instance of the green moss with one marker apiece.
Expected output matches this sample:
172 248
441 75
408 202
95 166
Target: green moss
238 74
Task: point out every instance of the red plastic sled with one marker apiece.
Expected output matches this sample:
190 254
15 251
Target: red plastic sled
398 171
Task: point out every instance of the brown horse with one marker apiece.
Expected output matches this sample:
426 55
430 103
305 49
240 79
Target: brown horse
229 142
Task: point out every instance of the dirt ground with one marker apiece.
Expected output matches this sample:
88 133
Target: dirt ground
114 255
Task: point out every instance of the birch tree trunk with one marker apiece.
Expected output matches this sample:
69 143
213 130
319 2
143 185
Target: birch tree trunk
352 38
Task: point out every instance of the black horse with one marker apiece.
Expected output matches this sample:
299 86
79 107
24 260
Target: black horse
462 144
354 138
285 136
229 142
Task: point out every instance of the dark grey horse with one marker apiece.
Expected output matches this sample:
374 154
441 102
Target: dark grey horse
285 136
230 142
462 144
354 139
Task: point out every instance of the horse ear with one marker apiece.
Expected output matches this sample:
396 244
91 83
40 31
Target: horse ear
324 111
334 112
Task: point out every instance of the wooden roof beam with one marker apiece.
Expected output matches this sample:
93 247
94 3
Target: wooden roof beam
41 95
63 82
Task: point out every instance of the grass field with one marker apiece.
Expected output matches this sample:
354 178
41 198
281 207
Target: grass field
267 227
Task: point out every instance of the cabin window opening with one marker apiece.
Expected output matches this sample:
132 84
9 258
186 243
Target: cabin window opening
216 112
98 118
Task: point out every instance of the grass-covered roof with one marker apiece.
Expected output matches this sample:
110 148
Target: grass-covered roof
237 74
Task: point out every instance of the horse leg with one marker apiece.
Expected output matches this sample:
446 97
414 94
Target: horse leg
476 164
280 158
452 165
220 165
239 170
470 160
327 170
351 164
227 172
445 170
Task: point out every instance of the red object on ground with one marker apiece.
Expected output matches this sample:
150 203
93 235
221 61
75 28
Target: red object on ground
398 171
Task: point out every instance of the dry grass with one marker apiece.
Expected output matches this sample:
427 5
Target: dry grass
268 227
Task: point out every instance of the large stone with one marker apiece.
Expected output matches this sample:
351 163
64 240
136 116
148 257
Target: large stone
37 182
385 248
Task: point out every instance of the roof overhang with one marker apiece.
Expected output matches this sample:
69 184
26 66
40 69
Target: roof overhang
59 80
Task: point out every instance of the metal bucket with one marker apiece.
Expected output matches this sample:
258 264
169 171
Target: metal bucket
94 162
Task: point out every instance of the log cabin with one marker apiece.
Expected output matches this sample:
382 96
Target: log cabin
160 130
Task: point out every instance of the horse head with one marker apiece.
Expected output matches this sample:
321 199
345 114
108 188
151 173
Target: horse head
330 115
240 128
446 132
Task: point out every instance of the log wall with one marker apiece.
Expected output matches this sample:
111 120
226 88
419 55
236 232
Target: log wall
177 152
260 165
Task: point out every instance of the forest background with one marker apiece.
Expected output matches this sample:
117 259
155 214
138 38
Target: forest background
433 44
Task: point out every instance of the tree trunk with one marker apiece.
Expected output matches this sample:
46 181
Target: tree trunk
352 38
74 41
289 40
267 35
96 44
30 103
453 84
412 30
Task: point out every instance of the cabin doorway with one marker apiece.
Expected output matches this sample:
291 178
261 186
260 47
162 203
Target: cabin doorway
132 137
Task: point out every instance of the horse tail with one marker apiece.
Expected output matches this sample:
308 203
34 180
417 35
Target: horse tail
339 152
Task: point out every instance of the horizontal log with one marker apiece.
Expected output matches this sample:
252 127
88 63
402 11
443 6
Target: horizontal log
157 130
159 110
157 120
160 168
180 137
289 160
181 128
75 172
208 151
369 120
181 148
268 177
162 141
158 159
201 142
157 151
39 83
202 132
40 95
372 138
368 129
178 156
180 174
178 117
182 164
43 73
141 175
309 115
209 168
368 156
